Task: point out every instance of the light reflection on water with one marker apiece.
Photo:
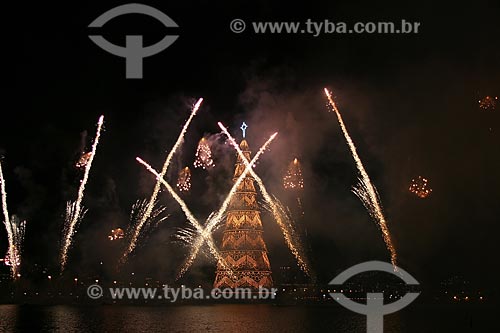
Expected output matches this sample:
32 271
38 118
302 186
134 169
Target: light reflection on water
229 318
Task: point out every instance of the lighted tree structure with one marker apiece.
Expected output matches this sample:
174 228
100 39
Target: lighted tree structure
243 247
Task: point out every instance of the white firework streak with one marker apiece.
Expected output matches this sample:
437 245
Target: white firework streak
365 190
137 212
15 231
215 218
189 215
295 248
75 211
154 195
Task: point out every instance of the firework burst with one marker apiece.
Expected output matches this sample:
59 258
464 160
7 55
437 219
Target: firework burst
208 237
203 155
293 179
15 232
116 234
184 180
150 206
365 190
420 187
137 212
488 103
75 211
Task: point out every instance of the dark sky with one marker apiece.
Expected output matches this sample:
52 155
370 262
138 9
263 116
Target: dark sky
409 101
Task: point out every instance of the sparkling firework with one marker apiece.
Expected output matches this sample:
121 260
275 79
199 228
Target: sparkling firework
203 155
365 190
154 195
189 215
116 234
293 179
420 187
184 180
75 211
84 159
15 232
296 250
488 103
137 212
213 221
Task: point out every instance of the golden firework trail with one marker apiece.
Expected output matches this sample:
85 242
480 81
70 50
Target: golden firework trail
288 233
156 217
154 195
215 218
365 190
74 211
15 231
189 215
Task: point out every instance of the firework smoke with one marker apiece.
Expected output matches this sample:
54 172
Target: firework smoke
215 218
189 215
74 211
365 190
154 195
15 231
295 248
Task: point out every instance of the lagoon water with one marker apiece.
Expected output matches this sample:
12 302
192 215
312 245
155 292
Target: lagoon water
237 318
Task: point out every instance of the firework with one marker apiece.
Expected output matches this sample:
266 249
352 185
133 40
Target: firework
154 195
420 187
203 155
189 215
365 190
488 103
137 212
84 159
288 222
116 234
293 179
75 211
15 232
214 219
184 180
296 250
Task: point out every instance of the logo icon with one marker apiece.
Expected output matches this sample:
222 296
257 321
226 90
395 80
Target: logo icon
374 309
134 51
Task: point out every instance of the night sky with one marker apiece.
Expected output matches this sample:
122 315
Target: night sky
409 101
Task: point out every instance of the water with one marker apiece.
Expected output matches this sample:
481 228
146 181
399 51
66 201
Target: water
236 318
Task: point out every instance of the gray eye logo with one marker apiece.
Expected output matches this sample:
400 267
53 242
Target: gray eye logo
374 310
133 52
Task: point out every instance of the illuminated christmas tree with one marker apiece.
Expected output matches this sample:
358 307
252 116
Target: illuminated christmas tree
243 247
